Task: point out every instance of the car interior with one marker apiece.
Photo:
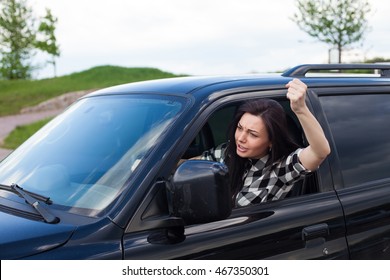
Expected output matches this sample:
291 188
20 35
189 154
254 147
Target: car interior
215 131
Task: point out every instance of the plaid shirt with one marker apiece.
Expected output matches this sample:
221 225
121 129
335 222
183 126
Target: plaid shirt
263 180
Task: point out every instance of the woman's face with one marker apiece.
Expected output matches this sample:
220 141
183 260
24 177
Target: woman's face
251 137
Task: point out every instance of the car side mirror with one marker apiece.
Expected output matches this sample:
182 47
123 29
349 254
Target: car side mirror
199 192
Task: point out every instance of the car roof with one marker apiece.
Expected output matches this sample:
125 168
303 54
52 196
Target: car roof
190 84
202 86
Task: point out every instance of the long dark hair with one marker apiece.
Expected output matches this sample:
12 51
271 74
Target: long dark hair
274 118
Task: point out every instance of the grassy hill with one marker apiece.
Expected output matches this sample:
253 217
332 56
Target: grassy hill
15 95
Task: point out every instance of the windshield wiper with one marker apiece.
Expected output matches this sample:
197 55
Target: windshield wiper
33 201
42 198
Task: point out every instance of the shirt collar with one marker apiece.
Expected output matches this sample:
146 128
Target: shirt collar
258 164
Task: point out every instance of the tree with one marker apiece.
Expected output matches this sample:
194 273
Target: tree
17 37
21 35
339 23
48 41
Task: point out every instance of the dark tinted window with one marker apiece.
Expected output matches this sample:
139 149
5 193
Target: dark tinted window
219 123
360 127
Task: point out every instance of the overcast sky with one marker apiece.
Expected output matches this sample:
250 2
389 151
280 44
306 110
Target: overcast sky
196 37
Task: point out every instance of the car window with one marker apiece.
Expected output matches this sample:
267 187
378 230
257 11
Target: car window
215 132
219 123
82 158
359 125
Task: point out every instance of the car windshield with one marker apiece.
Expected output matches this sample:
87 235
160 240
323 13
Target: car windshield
82 158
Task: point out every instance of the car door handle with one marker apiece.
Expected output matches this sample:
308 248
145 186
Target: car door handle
315 231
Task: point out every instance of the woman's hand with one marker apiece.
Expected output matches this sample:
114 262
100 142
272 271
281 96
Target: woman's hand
296 93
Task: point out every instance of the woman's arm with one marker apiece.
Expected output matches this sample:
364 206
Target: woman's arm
314 154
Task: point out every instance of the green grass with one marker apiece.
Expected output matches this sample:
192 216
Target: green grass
15 95
22 133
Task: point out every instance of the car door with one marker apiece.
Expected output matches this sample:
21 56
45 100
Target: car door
306 226
359 120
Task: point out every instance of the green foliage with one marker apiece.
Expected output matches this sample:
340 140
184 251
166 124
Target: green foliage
46 39
18 39
17 94
377 60
338 23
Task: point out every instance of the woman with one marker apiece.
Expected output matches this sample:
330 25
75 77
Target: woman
263 160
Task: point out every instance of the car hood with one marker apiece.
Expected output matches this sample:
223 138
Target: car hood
20 237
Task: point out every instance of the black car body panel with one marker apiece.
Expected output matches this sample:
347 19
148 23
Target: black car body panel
30 237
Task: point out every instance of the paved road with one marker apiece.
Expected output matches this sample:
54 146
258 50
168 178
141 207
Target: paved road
9 123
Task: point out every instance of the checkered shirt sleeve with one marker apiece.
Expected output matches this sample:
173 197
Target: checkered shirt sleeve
215 154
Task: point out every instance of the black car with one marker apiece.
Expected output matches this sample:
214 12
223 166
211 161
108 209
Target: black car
102 180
